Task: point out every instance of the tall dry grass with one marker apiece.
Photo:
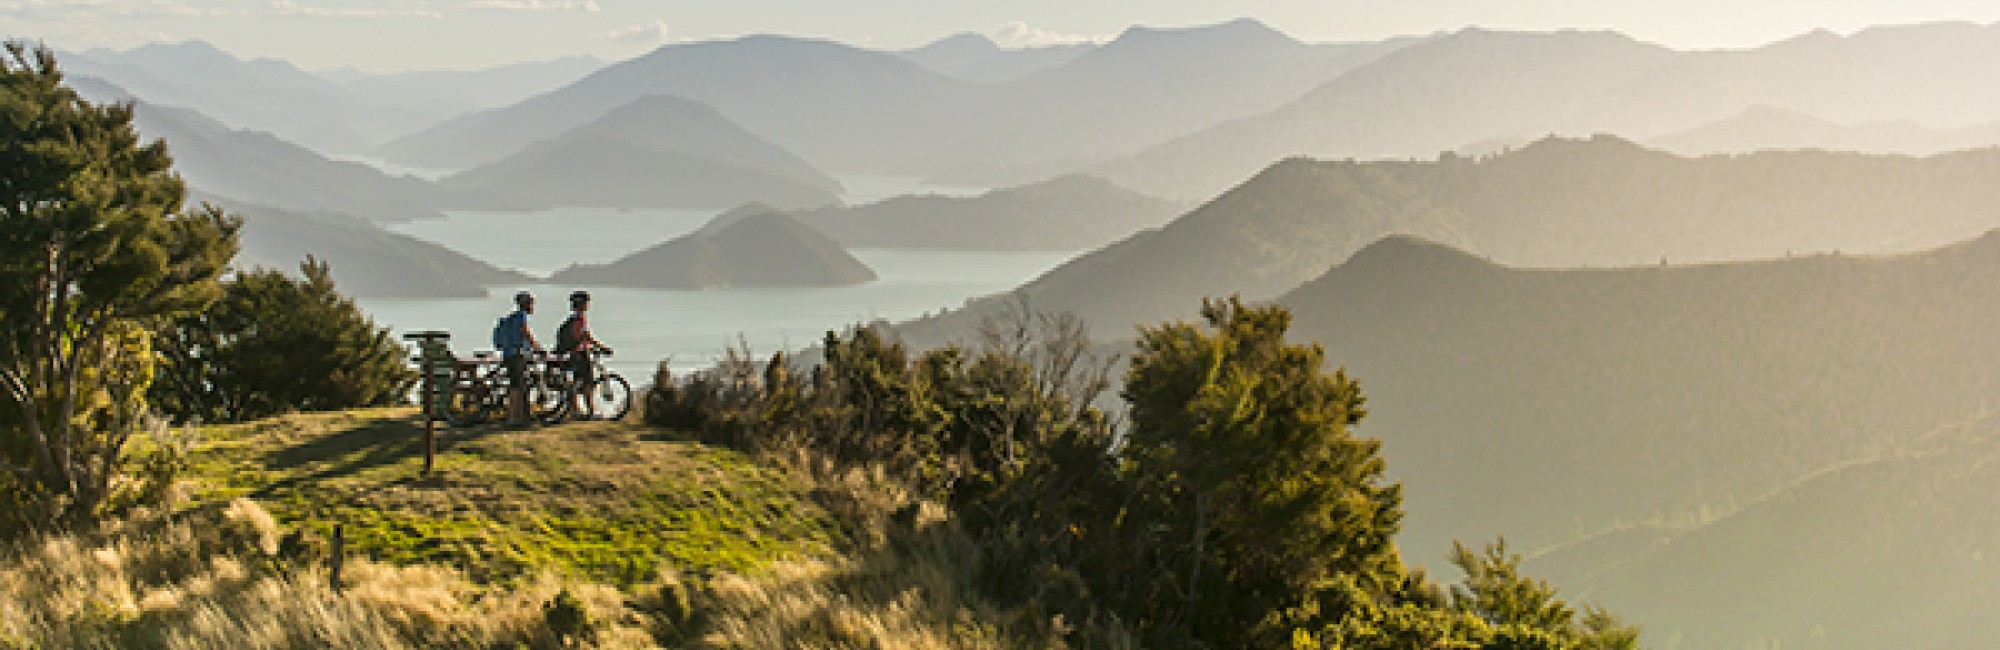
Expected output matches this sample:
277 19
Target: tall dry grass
217 580
228 578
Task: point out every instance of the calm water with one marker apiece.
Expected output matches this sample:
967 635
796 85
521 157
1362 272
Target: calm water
691 328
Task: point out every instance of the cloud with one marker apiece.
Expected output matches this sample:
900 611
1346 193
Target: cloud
652 32
1019 34
290 8
586 6
93 10
96 9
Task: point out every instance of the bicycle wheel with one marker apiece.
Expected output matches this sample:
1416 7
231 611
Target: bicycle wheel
614 396
469 406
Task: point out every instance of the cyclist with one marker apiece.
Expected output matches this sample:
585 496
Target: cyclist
515 340
574 339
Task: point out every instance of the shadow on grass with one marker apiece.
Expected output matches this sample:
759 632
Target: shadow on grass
370 445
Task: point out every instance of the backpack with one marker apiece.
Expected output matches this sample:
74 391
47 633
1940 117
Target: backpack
567 335
507 333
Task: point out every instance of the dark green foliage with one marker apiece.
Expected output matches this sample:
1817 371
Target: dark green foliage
568 618
1240 447
93 243
275 344
1237 510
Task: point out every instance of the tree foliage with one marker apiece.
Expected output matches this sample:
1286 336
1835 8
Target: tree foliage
1237 510
276 344
94 243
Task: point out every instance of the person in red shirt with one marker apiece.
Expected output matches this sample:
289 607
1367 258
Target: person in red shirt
574 338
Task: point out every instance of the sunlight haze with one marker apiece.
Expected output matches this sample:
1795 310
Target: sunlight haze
391 35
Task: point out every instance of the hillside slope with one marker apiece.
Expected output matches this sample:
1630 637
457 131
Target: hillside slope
1551 404
1892 550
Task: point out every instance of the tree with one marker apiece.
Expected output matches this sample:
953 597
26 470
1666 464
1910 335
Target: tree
1241 444
94 243
275 344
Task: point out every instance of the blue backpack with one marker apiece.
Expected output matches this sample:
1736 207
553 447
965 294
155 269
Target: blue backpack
507 333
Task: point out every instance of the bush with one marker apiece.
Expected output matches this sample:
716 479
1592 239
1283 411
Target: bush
1236 510
275 344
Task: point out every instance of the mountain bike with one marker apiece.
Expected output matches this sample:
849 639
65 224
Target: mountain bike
613 393
479 388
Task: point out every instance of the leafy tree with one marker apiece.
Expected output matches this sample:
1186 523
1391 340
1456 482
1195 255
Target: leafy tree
275 344
1257 489
93 244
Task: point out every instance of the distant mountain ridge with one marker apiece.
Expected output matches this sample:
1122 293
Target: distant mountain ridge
654 152
850 110
1765 128
754 246
1071 213
259 95
1477 85
974 57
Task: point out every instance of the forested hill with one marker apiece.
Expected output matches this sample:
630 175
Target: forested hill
1548 405
1553 203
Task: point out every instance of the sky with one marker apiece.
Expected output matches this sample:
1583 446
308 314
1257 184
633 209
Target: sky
462 34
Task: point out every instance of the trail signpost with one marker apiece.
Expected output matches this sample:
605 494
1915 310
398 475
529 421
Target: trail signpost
435 361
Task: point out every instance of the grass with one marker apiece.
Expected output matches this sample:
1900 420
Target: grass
604 502
657 542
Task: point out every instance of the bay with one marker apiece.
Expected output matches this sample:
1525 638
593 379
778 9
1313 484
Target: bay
689 329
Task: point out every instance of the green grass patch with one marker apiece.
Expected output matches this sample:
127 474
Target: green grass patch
608 502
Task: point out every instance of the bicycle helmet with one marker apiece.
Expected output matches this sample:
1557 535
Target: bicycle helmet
578 297
524 297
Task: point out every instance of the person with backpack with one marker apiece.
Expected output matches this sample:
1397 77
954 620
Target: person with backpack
515 340
573 338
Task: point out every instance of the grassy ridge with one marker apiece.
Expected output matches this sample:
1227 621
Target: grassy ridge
605 502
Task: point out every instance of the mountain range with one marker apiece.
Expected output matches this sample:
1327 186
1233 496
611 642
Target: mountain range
1443 93
1555 203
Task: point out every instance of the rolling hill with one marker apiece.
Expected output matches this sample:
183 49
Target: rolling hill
1071 213
1555 203
1547 405
752 246
655 152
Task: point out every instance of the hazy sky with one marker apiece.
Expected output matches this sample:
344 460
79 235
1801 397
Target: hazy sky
428 34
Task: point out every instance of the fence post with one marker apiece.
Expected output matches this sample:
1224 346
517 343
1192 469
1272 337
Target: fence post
339 555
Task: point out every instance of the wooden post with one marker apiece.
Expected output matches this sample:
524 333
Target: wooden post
339 553
435 360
